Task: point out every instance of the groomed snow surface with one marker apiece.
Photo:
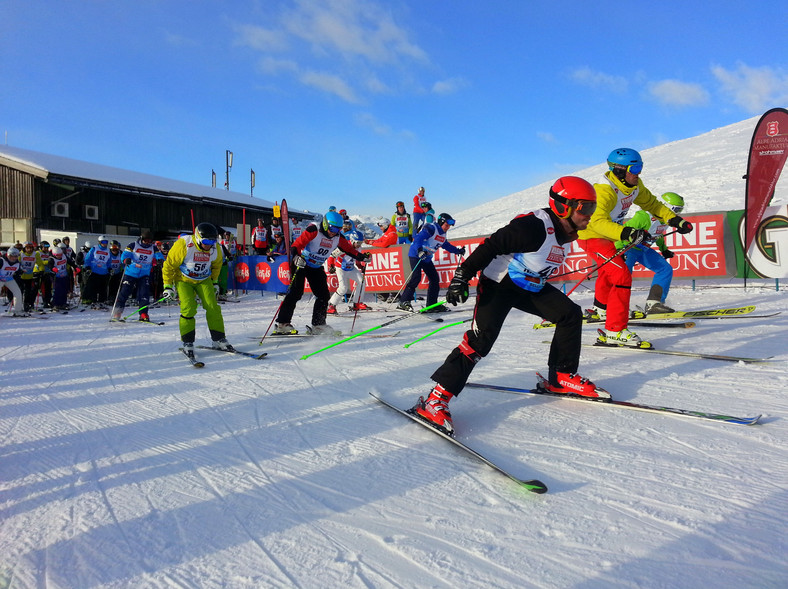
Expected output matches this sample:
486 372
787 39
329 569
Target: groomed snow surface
123 466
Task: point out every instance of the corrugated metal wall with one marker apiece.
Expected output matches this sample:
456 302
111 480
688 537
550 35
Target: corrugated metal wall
16 193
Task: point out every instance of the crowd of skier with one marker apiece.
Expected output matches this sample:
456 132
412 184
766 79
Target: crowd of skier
512 265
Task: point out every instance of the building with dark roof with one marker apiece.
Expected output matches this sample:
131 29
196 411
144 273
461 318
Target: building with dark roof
43 192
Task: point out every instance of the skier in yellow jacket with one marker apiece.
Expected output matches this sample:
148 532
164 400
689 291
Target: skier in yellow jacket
622 188
192 268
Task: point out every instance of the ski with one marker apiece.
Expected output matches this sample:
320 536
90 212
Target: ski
419 313
623 404
234 351
681 324
282 336
26 316
722 357
533 485
195 362
705 314
136 321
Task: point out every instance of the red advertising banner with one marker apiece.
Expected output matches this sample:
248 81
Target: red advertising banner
768 152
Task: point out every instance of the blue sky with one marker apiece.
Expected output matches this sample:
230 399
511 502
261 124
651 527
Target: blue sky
357 103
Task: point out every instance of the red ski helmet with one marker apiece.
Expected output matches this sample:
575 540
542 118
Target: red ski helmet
570 193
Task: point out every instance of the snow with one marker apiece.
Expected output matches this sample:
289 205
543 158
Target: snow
123 466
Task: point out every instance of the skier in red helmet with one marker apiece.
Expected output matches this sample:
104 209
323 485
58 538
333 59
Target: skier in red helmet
515 263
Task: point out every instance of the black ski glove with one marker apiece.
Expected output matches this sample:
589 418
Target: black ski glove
634 236
458 288
681 225
667 254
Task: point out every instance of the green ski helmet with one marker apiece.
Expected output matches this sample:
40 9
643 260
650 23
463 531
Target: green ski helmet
675 202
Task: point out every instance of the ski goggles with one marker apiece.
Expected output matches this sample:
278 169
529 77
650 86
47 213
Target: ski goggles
450 222
635 168
103 243
585 207
207 241
335 228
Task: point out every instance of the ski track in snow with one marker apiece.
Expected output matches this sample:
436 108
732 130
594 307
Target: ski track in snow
123 466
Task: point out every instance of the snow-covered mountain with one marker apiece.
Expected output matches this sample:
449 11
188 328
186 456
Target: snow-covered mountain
123 466
706 170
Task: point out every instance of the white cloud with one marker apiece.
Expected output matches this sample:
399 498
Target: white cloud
369 121
596 79
260 38
678 93
347 47
754 89
330 83
449 86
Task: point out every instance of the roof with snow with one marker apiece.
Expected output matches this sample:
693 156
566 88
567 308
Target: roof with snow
63 170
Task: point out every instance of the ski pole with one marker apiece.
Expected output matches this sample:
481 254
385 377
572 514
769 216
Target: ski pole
342 341
360 294
279 308
404 284
436 331
623 250
117 294
142 308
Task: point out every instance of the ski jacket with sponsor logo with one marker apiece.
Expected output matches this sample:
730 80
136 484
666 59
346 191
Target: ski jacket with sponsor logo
141 256
188 263
315 246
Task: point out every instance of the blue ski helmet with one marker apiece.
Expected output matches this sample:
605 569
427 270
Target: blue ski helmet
332 222
625 159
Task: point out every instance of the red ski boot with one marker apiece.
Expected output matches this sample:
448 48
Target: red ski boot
575 384
435 409
359 307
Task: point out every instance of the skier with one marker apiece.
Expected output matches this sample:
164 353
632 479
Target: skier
192 267
137 259
97 262
10 269
115 270
401 220
622 188
260 238
650 258
27 259
389 236
61 282
427 242
418 210
515 263
43 272
309 253
347 268
429 213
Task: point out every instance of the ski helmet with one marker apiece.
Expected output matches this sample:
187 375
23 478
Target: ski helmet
114 243
675 202
332 222
57 251
87 246
12 251
383 223
66 239
623 160
425 206
146 234
44 245
103 240
205 234
355 237
446 218
570 193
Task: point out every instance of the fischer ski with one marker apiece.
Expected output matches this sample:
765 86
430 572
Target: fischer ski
195 362
234 351
535 486
722 357
706 314
540 390
137 321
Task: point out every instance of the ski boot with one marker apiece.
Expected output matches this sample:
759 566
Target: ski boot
439 309
324 329
144 317
594 314
188 349
332 310
222 344
285 329
435 409
658 307
117 315
566 383
359 307
405 306
622 338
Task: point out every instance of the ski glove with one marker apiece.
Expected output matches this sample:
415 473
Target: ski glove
681 225
364 257
168 293
667 254
458 288
216 288
635 236
299 262
127 261
462 251
423 254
